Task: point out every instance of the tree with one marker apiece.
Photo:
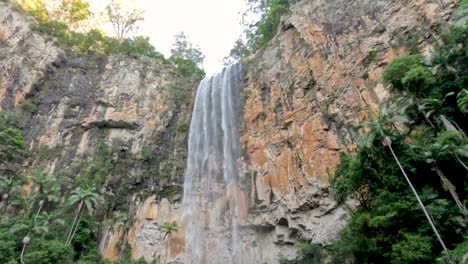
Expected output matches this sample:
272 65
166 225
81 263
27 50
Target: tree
168 228
46 187
70 12
11 145
49 219
408 73
182 48
462 100
432 152
29 225
379 127
86 198
237 53
123 21
9 187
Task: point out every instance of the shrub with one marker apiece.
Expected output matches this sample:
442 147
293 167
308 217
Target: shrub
267 27
408 72
188 68
7 246
46 252
11 144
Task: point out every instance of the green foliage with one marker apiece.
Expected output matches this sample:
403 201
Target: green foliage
418 79
188 68
8 246
67 16
11 144
170 191
462 100
310 254
96 170
457 255
36 8
369 58
183 127
46 252
460 17
28 106
426 125
182 48
269 25
139 46
408 73
168 228
71 12
257 35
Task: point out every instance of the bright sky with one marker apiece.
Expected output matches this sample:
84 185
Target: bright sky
213 25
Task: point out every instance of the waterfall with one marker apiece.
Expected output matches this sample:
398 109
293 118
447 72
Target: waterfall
211 188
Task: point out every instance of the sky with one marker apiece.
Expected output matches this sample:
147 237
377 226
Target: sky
213 25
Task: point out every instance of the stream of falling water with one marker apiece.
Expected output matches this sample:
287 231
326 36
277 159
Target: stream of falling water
211 188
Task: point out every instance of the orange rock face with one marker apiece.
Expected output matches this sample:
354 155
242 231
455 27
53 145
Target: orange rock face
305 96
307 92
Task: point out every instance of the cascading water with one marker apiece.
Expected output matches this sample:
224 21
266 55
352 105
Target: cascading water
211 188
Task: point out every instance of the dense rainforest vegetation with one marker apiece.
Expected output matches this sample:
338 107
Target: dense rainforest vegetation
422 127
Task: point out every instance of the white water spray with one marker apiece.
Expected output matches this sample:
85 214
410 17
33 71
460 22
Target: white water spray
211 188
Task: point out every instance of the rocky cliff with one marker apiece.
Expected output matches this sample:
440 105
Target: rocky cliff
304 96
115 117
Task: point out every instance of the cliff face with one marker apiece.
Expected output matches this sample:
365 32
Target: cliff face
70 105
304 97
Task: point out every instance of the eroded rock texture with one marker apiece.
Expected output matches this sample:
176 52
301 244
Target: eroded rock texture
304 96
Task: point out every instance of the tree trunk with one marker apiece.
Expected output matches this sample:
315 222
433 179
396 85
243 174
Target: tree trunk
22 253
38 211
461 162
389 144
165 254
451 189
76 227
74 220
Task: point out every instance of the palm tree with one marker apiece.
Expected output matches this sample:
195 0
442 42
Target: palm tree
23 202
168 228
9 187
383 123
432 104
86 199
381 126
452 143
431 154
462 101
50 219
47 188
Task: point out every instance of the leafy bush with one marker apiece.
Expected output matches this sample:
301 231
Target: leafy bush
269 25
11 144
8 246
257 36
410 73
46 252
92 41
188 68
140 46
